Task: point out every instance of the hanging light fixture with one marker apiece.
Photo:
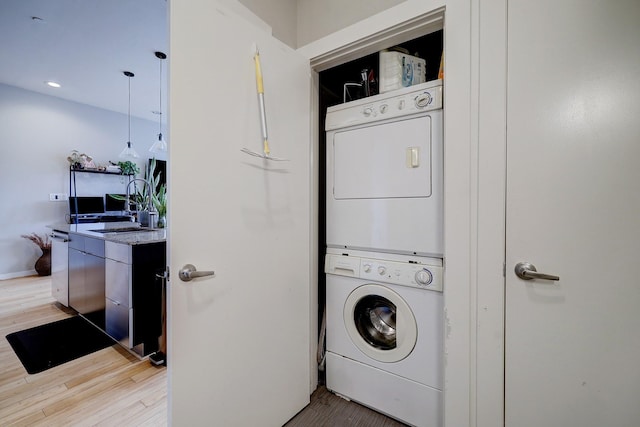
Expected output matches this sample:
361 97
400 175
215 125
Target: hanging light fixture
128 151
160 145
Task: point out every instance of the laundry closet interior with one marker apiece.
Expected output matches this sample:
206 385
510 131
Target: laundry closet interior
380 237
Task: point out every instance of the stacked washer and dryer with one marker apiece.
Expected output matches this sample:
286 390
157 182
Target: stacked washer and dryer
384 259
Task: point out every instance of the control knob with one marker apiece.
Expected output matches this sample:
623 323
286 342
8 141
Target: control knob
367 111
366 268
423 100
383 108
381 270
423 277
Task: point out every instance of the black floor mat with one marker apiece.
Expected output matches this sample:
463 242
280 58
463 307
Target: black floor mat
53 344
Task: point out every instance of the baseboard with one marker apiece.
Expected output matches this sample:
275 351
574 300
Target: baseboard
17 274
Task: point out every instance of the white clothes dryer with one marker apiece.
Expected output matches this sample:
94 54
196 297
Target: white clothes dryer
385 172
385 333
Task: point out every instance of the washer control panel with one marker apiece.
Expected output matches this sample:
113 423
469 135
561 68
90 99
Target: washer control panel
402 273
411 273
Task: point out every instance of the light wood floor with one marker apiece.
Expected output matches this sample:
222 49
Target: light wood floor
107 388
110 387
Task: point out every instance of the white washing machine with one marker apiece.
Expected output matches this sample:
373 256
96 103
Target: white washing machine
384 333
385 172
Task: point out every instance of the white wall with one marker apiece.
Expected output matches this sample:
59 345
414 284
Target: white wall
318 19
280 15
300 22
38 132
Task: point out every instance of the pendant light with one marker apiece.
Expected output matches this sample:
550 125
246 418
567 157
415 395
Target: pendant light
160 145
129 151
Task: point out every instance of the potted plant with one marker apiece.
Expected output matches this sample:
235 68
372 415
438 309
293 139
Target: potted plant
141 194
43 264
160 203
159 193
128 168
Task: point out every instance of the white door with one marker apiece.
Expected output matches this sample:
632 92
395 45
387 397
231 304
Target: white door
239 341
573 210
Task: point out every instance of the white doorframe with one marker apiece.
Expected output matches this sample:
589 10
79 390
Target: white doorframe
490 74
462 240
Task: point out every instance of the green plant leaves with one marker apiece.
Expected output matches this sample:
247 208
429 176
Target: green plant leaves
128 168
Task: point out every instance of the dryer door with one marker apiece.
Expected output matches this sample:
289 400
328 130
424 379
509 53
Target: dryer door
380 323
390 160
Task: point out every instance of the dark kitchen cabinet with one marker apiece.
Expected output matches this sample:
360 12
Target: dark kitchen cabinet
133 294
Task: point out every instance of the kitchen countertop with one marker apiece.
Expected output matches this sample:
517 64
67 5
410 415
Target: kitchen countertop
127 238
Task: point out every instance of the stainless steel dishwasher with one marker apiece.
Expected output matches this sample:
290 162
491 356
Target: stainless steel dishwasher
87 277
60 266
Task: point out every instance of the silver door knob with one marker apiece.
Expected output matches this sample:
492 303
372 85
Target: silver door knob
189 272
527 271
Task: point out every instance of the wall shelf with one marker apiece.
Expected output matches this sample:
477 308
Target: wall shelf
73 191
97 171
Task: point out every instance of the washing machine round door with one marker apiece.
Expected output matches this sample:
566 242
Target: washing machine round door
380 323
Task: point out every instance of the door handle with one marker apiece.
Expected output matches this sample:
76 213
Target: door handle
58 238
527 271
189 272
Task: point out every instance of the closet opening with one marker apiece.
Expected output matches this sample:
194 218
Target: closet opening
368 75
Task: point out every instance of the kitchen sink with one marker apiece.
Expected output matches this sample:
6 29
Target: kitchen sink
123 230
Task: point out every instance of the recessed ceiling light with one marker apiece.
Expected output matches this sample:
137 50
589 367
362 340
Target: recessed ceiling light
53 84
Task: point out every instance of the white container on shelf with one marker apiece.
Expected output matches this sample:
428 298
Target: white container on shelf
398 70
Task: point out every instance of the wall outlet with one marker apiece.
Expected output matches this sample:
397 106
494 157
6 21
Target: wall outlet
58 197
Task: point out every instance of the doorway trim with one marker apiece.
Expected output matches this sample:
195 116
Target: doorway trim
401 23
405 31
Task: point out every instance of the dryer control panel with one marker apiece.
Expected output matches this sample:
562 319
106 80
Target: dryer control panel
410 273
402 102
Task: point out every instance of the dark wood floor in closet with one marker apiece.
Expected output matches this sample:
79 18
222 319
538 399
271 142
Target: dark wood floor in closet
328 410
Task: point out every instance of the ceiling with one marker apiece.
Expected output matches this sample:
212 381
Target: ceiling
86 45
